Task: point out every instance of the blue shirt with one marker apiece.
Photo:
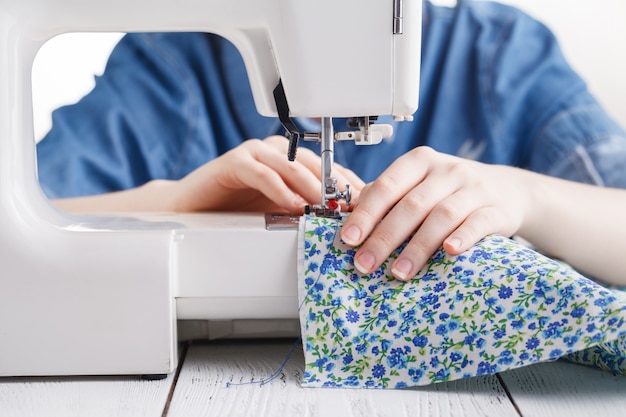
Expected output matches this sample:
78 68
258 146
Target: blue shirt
495 87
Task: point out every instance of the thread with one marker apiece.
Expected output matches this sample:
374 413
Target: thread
274 375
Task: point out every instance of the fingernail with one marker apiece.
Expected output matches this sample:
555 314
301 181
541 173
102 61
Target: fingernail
453 243
402 268
364 262
351 235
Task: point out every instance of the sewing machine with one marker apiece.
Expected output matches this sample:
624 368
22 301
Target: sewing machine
85 295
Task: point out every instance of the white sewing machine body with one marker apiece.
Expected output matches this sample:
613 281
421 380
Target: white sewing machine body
102 294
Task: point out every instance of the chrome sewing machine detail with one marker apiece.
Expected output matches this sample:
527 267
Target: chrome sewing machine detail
364 132
367 134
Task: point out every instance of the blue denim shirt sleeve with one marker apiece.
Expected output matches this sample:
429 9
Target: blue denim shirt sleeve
494 86
583 144
160 109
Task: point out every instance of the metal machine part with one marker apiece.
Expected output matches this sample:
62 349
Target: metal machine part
331 196
281 221
367 134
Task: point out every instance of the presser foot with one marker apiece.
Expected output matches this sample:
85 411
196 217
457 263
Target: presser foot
330 206
320 211
323 211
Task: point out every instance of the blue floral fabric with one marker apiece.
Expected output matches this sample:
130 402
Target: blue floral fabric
495 307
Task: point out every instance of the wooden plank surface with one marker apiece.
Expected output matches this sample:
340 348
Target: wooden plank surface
566 389
128 396
202 389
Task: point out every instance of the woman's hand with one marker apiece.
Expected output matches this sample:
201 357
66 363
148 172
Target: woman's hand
255 176
440 200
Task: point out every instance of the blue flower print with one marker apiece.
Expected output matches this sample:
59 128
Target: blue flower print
352 381
397 358
506 358
600 302
505 292
352 316
497 306
532 343
441 329
338 323
378 371
479 255
556 353
442 374
517 324
434 361
420 341
486 368
415 374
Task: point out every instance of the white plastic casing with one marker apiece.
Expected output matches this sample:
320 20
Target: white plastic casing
97 295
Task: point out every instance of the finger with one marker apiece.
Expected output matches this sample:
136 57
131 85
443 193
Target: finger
294 174
281 142
342 174
313 162
303 174
391 186
363 192
402 221
347 176
261 203
305 157
438 225
270 183
479 224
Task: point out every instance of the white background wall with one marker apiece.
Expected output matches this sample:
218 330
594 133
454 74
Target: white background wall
592 34
64 70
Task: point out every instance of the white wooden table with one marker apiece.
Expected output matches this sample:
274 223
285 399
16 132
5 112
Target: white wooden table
199 388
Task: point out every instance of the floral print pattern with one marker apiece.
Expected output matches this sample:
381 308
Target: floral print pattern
495 307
